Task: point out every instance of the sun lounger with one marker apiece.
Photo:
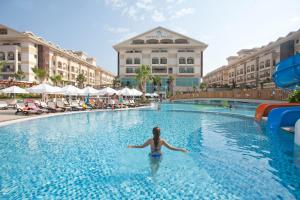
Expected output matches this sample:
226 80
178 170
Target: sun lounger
75 106
34 107
52 105
3 105
25 110
61 105
12 103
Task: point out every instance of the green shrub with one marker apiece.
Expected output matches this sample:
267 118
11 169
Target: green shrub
294 97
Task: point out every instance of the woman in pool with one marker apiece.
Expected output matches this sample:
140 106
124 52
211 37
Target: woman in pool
156 143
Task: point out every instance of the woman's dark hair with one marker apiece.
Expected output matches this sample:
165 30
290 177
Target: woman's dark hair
156 135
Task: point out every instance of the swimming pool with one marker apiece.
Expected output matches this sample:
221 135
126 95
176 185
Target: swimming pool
85 155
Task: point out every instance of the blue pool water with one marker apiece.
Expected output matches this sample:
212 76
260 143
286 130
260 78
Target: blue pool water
85 156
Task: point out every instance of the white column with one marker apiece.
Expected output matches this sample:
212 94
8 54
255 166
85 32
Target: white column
16 60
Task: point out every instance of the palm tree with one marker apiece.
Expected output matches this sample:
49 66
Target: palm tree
116 82
143 74
157 82
202 86
19 75
80 80
170 84
56 79
40 74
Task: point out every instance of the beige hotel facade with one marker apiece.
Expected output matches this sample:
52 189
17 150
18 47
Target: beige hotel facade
254 67
25 51
167 53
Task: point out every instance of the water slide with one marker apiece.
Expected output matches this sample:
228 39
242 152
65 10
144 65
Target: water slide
285 116
287 74
263 109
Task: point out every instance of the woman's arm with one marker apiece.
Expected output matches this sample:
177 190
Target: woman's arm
173 148
140 146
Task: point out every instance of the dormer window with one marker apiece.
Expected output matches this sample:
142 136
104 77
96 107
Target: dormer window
3 31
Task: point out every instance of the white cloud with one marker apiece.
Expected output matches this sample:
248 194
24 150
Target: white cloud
158 16
295 20
183 12
157 10
116 3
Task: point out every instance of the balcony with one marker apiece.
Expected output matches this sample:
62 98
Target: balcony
159 70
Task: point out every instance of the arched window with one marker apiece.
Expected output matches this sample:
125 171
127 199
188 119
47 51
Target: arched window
152 41
2 56
190 60
138 41
181 60
163 60
128 61
137 61
181 41
155 61
10 56
59 65
166 41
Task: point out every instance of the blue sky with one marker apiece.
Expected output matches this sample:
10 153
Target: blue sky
95 25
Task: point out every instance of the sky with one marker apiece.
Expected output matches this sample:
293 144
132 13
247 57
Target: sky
94 26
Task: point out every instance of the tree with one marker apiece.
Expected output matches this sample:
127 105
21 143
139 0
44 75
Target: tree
80 80
157 83
143 74
40 74
19 75
2 63
194 88
116 82
170 84
202 86
56 79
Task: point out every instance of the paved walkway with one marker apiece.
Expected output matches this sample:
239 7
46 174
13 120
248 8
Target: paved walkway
8 115
229 99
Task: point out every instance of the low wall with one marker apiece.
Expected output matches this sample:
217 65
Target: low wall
263 94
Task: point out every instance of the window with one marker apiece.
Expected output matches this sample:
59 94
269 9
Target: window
297 41
163 60
130 70
261 65
190 60
155 61
186 69
181 41
187 82
268 63
152 41
170 70
10 56
3 31
166 41
181 60
138 42
19 57
252 68
137 61
159 70
248 69
59 65
2 56
129 61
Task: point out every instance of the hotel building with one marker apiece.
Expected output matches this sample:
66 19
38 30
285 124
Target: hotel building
254 67
167 53
23 51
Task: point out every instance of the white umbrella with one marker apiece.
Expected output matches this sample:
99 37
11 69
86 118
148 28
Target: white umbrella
126 92
107 91
44 88
136 92
155 95
14 90
70 90
89 91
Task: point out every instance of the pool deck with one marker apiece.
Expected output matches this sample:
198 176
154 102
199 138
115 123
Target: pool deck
8 117
229 99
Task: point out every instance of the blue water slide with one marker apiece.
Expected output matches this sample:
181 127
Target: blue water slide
279 117
287 74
